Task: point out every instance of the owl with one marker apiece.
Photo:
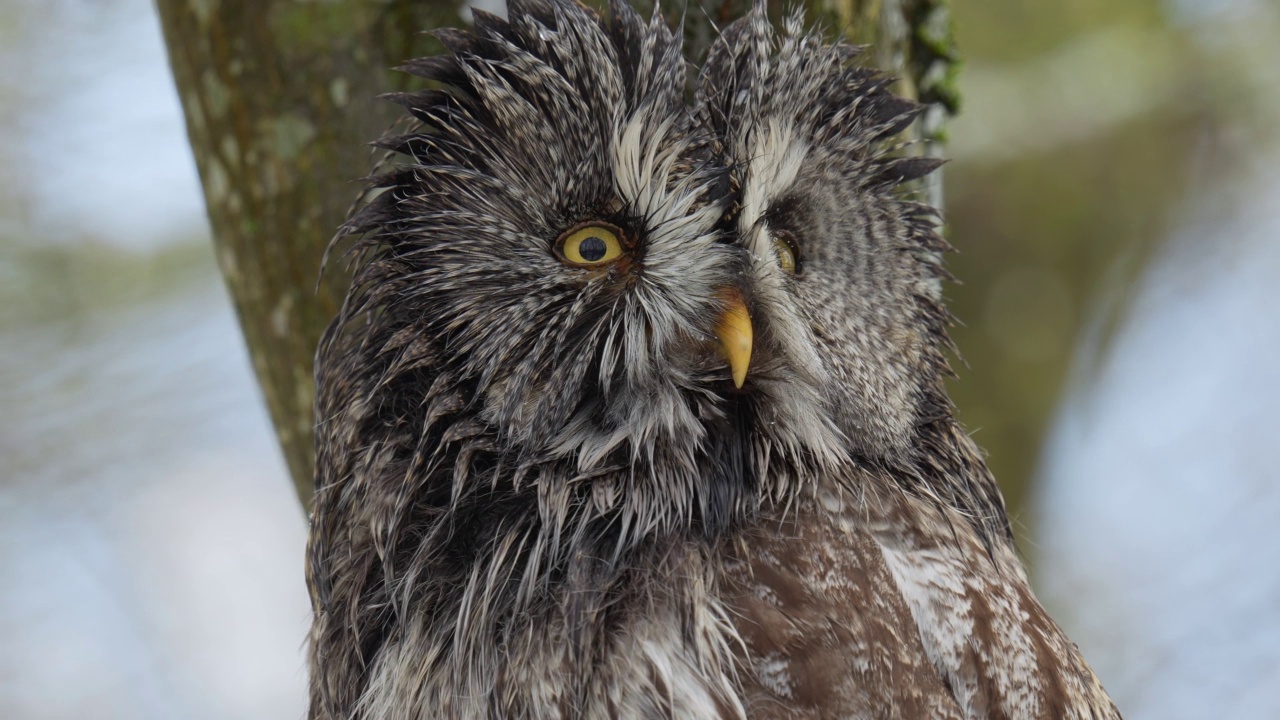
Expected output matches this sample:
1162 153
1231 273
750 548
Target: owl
635 407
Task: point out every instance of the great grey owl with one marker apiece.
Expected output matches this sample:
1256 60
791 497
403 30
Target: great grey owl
635 407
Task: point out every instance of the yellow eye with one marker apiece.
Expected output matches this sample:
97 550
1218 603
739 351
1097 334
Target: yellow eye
590 245
786 251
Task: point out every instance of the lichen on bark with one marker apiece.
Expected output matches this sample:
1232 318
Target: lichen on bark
266 88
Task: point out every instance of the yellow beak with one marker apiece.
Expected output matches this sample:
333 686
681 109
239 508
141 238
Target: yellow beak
734 330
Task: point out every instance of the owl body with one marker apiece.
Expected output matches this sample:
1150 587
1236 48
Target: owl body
635 407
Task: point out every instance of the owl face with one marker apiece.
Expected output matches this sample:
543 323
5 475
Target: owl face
686 307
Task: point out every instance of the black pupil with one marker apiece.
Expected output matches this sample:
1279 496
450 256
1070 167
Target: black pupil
592 249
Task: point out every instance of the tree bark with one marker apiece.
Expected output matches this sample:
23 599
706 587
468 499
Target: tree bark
278 97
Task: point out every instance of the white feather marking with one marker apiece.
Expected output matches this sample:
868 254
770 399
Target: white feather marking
777 155
773 671
939 587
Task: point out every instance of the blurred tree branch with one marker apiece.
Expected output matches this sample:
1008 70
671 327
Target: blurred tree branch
278 99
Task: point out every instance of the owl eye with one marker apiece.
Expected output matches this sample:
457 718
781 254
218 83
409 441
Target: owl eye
784 247
590 245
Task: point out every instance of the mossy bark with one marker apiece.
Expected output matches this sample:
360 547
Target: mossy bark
278 98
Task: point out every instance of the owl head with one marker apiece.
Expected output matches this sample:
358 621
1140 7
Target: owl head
582 284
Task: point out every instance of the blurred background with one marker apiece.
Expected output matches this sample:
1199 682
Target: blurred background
1115 197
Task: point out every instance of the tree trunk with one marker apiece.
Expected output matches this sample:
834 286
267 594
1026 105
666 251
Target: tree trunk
278 97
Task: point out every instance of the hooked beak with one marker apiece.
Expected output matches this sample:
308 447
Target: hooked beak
734 330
